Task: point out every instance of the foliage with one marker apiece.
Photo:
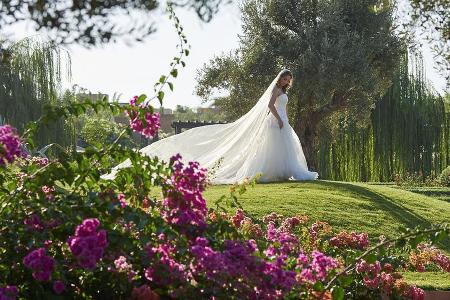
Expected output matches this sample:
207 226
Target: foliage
91 23
342 56
184 113
408 135
433 17
31 73
445 177
102 132
416 180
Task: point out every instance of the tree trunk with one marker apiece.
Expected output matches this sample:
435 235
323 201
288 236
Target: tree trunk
306 126
306 129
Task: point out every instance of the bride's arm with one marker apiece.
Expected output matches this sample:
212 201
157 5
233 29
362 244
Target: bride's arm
273 98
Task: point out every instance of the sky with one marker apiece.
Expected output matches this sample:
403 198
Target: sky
132 70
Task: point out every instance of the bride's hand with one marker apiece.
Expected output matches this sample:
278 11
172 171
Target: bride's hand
280 123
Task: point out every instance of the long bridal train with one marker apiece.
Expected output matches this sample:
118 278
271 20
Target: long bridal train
250 145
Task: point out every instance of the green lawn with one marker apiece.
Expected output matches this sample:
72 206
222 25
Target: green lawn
429 280
373 208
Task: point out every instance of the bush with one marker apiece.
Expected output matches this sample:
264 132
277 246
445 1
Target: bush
444 178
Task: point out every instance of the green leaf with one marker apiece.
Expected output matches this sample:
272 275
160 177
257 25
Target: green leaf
186 52
170 85
162 78
318 286
174 73
160 96
338 293
371 258
346 280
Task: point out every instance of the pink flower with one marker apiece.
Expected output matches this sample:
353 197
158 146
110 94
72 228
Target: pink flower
371 283
40 161
9 292
34 222
144 292
238 218
48 191
350 240
415 293
361 266
41 264
88 245
142 120
184 204
9 145
122 201
58 287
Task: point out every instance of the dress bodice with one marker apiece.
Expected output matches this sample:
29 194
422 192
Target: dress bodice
280 105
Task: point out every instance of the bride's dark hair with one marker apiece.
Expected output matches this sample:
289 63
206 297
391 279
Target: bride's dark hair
287 86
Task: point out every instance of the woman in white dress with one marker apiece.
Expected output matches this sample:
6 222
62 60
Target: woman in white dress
260 142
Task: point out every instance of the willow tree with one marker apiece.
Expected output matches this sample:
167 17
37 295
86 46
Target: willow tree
342 54
409 132
30 77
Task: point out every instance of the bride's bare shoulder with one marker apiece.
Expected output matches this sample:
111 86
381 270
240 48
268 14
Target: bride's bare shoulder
276 91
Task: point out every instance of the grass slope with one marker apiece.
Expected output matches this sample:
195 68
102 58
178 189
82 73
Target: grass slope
372 208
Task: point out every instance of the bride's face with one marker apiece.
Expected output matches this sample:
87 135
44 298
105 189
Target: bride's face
285 80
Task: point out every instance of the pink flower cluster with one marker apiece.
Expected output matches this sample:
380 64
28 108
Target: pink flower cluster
34 222
414 293
283 241
123 266
142 121
371 273
40 161
184 204
9 145
351 240
316 268
59 287
426 255
263 280
88 245
9 292
48 192
144 292
375 277
41 264
165 268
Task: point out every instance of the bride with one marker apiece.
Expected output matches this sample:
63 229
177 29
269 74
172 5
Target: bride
260 142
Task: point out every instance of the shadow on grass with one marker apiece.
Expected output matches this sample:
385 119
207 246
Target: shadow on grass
399 212
440 195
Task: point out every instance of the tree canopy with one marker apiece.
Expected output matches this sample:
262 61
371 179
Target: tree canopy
91 23
342 54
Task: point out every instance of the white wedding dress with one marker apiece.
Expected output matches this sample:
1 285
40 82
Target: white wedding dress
254 144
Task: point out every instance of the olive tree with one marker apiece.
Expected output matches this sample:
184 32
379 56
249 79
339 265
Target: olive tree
342 54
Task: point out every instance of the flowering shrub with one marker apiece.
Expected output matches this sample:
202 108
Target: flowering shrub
41 264
129 244
9 145
67 233
425 256
142 118
88 245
